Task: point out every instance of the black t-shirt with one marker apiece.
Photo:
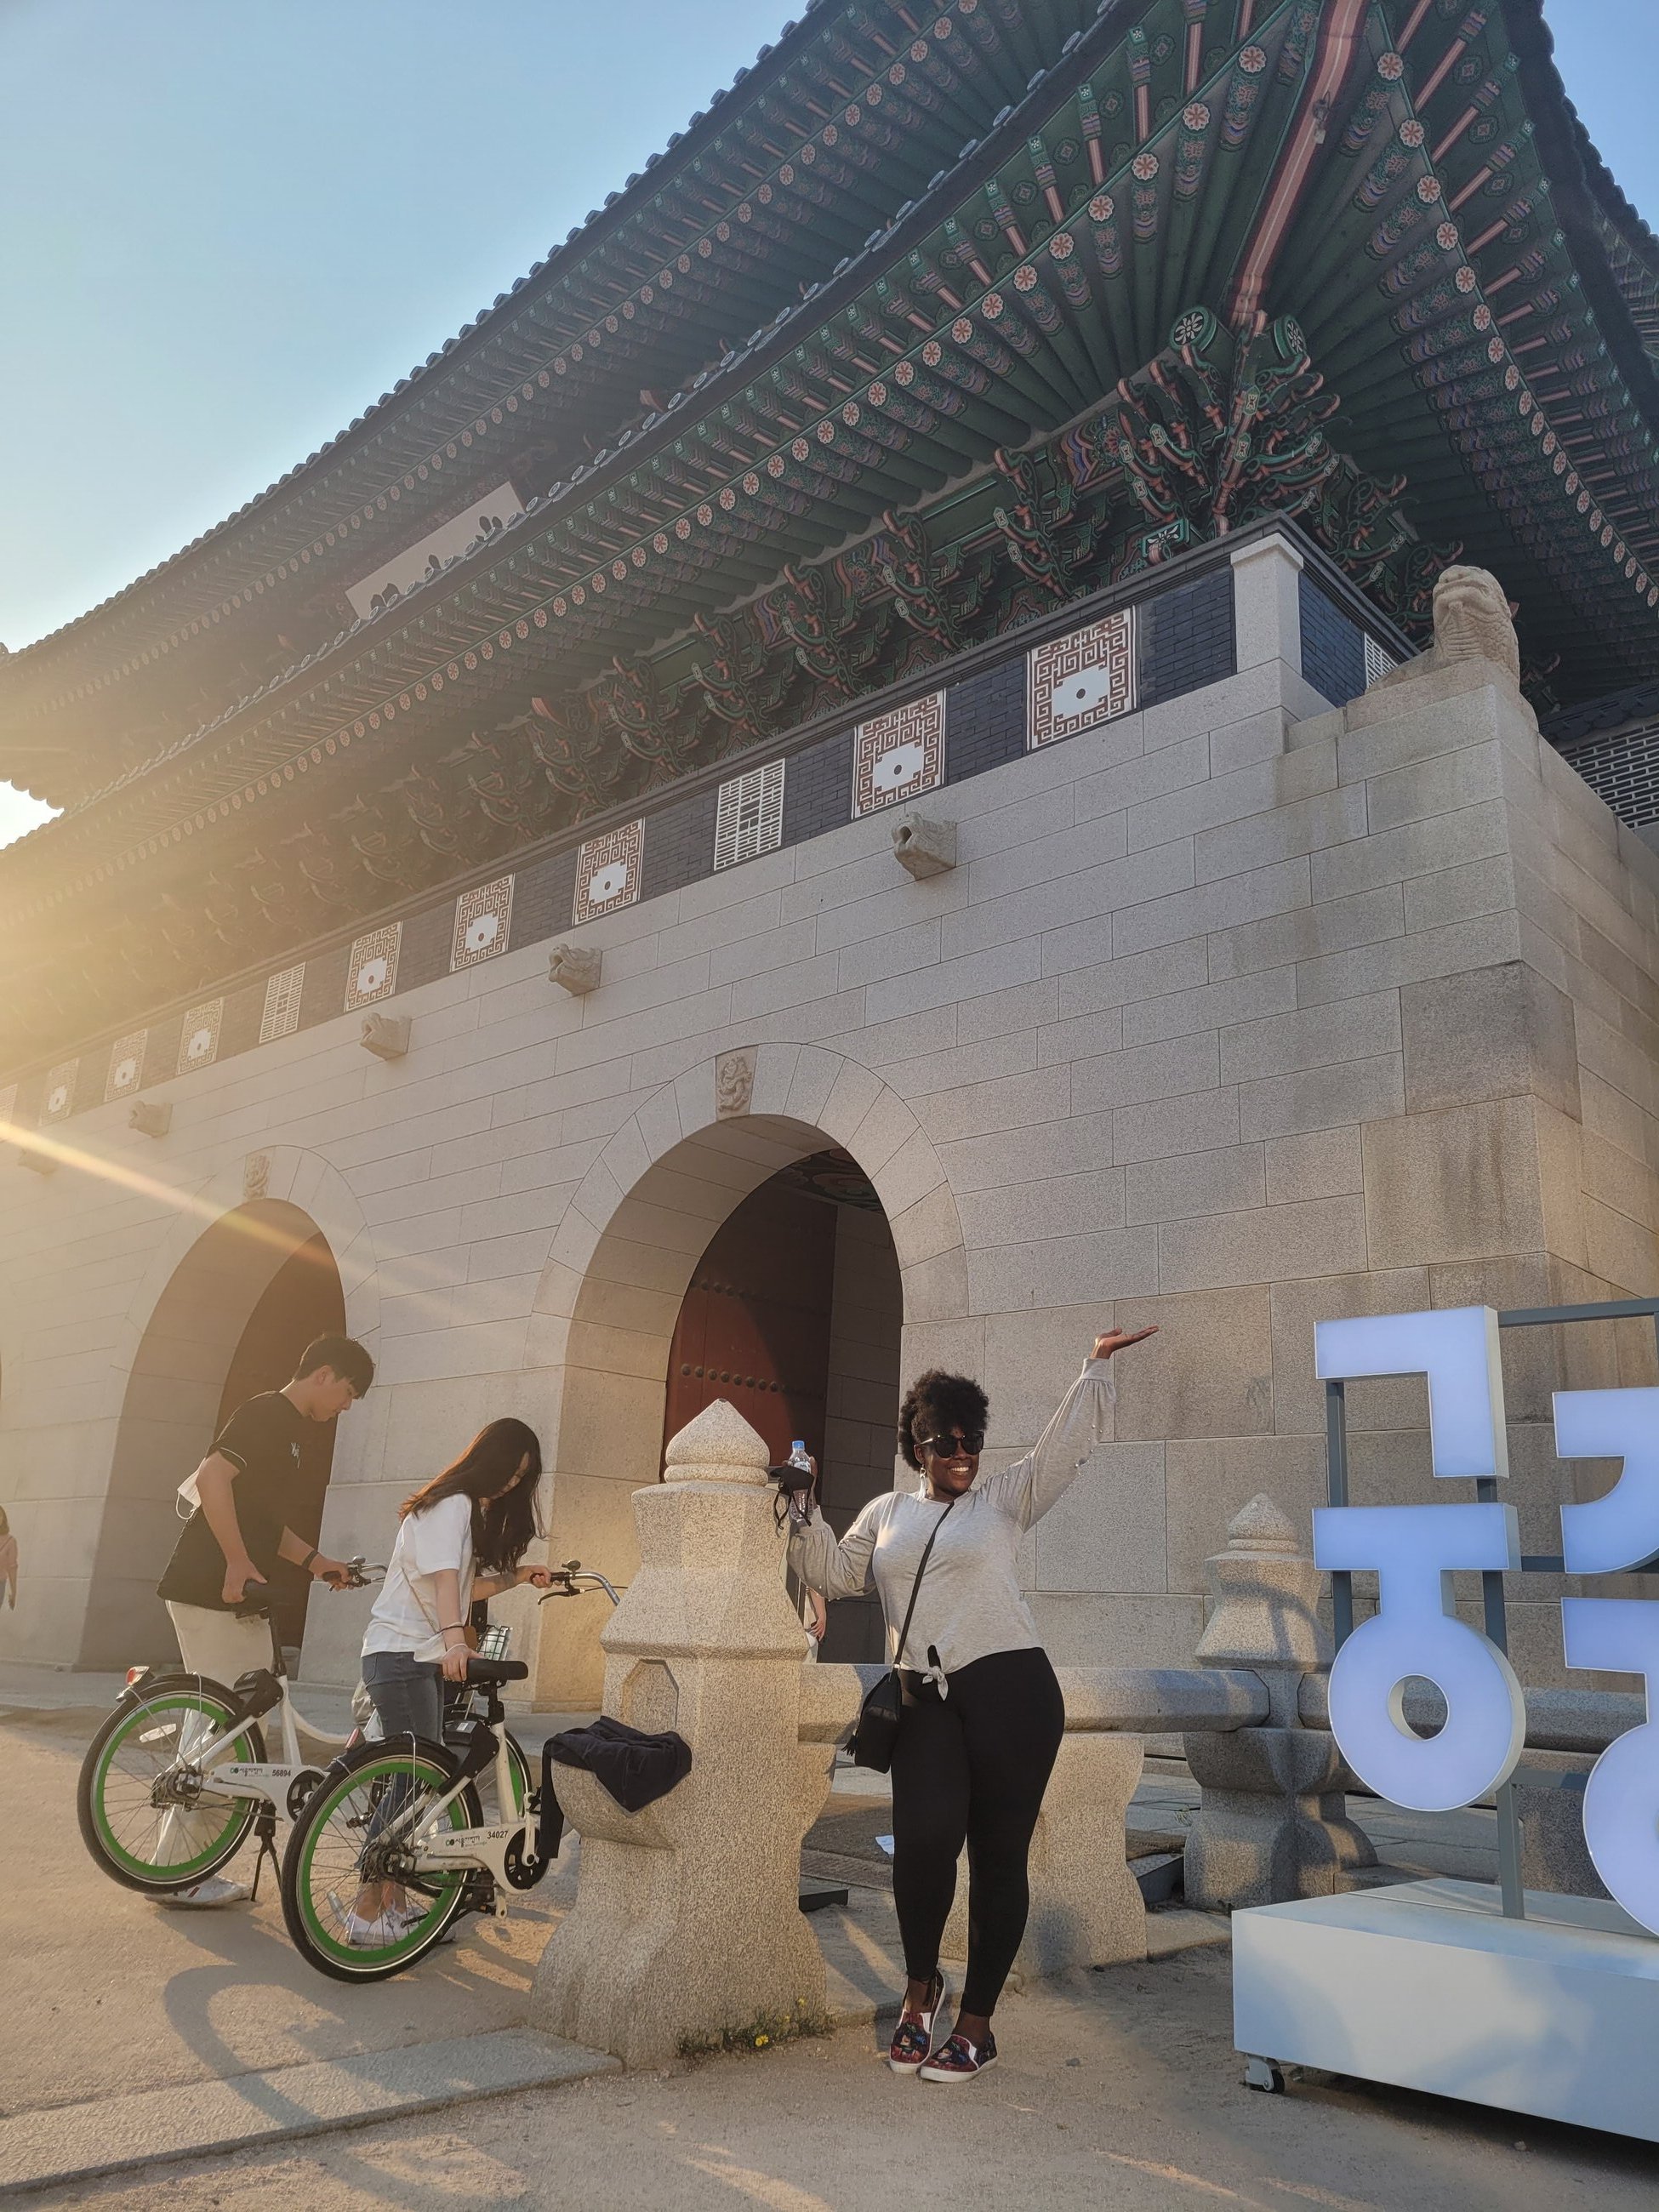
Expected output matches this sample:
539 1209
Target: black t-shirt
262 1441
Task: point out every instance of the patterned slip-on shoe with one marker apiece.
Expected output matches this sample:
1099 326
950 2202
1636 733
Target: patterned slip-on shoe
913 2039
958 2060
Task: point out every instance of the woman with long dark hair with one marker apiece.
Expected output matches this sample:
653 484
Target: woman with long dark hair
461 1537
983 1716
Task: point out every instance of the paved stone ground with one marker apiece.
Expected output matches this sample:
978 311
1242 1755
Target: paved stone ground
1118 2089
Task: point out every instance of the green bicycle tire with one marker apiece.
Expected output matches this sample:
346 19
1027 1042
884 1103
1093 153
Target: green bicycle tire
331 1824
102 1826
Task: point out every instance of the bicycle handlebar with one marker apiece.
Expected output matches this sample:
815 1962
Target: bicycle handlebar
565 1578
361 1574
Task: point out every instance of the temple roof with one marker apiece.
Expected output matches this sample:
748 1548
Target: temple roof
1356 264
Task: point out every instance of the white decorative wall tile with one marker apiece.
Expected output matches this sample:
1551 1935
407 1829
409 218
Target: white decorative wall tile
898 754
59 1099
199 1040
1073 682
282 995
608 872
484 923
749 818
126 1064
1378 664
372 971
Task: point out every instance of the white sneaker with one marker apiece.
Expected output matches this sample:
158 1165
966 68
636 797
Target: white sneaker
206 1894
379 1934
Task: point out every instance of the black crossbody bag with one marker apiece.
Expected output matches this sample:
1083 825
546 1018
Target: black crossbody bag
873 1739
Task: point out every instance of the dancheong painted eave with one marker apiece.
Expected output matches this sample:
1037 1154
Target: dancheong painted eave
642 298
505 396
1216 261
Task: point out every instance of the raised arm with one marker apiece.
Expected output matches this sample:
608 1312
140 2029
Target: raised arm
835 1570
1028 1489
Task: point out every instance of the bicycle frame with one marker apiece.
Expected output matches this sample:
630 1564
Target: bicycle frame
435 1850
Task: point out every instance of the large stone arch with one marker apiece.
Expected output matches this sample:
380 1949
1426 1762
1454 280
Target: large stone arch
207 1278
628 1243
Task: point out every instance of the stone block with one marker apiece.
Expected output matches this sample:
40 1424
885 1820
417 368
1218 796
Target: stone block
1224 904
1209 1480
1027 1361
1305 825
1322 1097
1489 1033
1322 1163
1177 1012
1202 1121
1271 1822
1197 1183
1463 1184
1554 1856
1308 932
1322 1236
1106 1533
1063 1270
1208 1372
1059 1205
1129 1077
1316 1037
1135 1630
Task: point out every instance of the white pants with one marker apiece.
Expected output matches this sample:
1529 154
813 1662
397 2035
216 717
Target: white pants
217 1644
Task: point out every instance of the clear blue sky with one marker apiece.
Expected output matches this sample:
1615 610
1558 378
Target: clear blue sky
232 224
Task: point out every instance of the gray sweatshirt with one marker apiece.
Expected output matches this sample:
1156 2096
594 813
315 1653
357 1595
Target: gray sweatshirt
970 1603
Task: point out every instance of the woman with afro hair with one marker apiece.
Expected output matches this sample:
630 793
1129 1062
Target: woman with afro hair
982 1718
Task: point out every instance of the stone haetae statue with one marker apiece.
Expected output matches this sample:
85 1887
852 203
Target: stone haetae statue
1472 622
1472 619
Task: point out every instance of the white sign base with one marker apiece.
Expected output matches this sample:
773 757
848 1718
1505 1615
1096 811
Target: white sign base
1426 1986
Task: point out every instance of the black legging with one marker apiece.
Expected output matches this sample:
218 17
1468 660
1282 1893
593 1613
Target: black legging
973 1767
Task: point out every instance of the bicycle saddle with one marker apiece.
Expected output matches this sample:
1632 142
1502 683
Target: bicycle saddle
496 1670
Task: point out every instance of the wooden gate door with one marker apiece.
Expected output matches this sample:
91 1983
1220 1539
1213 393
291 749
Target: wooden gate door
754 1326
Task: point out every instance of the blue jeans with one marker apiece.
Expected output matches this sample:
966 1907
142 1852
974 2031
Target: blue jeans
407 1694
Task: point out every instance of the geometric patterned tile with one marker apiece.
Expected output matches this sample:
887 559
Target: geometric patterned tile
484 923
749 816
60 1092
372 971
898 754
1075 682
126 1066
281 1017
1378 664
199 1040
609 870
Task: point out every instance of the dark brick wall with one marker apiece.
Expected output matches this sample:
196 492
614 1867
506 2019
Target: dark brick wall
1185 638
679 844
1332 647
543 898
817 789
985 721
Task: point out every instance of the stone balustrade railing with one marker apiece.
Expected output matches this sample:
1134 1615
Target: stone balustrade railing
686 1923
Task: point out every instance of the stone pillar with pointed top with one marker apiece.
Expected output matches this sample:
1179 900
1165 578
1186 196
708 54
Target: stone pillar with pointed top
1272 1821
687 1923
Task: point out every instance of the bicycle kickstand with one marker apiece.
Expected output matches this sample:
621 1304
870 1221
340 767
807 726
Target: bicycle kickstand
265 1828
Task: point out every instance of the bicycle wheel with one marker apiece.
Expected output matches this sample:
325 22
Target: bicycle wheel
521 1782
140 1835
335 1852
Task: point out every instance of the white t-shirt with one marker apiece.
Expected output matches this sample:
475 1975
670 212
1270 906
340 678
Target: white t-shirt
405 1616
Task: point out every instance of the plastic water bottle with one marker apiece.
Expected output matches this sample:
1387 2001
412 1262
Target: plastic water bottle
799 1457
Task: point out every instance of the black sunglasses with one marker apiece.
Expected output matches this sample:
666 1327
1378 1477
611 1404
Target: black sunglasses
970 1441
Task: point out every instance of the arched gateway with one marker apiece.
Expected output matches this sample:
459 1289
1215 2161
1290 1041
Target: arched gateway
226 1310
715 1152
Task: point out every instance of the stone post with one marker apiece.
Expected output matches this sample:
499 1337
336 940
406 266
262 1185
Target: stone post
1273 1822
687 1920
1087 1907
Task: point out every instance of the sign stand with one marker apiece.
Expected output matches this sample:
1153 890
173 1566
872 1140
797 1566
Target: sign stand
1522 2000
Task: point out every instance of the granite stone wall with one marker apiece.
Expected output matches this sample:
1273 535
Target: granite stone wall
1239 1009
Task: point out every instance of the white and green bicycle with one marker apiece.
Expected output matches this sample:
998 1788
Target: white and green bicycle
179 1774
395 1844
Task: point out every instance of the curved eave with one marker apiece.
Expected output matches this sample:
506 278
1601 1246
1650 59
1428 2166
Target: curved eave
570 282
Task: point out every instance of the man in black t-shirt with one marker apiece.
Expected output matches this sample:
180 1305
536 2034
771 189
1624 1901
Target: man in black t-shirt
238 1530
